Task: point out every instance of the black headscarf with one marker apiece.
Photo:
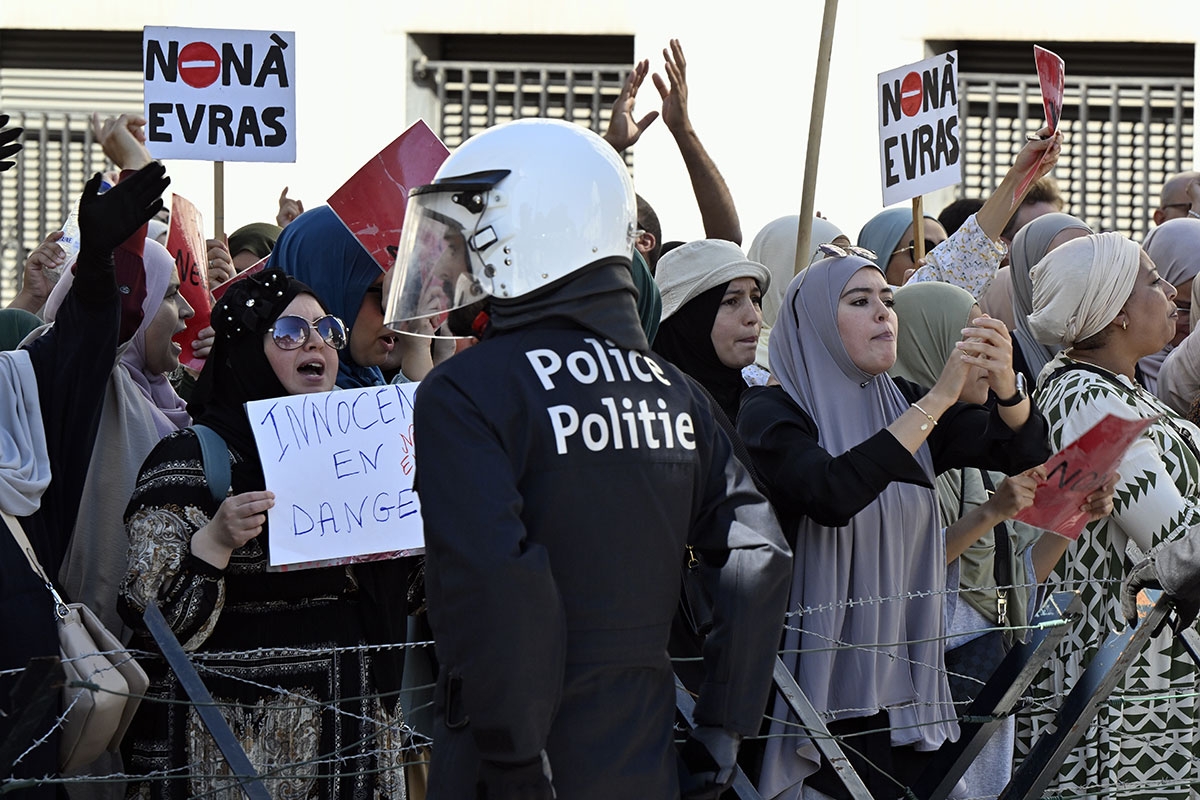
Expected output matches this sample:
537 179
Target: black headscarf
237 370
685 339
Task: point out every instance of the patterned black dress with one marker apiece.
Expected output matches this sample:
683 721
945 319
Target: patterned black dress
281 653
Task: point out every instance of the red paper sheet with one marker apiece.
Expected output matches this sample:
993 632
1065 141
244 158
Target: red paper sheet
1079 469
1051 72
256 267
185 241
372 203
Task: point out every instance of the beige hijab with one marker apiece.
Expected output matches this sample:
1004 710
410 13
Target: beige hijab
1079 288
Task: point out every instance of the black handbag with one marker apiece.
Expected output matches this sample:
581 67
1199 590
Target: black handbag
969 665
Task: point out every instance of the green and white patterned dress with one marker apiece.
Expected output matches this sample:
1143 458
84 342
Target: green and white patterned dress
1144 741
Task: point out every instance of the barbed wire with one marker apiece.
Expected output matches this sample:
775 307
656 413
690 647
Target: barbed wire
390 745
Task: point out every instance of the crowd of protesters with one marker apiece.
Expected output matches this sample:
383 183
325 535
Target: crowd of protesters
843 442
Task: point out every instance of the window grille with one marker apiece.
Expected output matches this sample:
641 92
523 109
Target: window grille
1124 137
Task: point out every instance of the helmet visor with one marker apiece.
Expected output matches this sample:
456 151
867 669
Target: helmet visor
435 271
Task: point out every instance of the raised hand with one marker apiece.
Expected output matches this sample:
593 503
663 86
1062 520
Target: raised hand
623 129
289 209
106 220
123 139
674 91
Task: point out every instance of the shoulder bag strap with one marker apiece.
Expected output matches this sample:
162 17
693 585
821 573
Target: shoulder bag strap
18 533
214 454
1002 561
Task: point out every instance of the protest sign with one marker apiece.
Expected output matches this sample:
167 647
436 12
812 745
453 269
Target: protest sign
1079 469
1051 72
185 241
341 466
372 203
918 128
219 95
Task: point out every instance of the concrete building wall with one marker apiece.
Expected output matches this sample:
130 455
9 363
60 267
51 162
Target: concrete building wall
750 71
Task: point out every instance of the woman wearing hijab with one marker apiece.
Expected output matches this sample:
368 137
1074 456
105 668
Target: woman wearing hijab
140 408
1179 378
889 235
317 249
1100 300
775 248
15 325
1030 245
849 457
51 391
1174 247
712 297
305 699
975 507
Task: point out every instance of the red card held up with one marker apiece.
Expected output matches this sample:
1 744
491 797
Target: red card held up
372 203
185 241
1079 469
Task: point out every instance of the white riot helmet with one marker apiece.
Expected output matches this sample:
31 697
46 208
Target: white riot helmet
513 210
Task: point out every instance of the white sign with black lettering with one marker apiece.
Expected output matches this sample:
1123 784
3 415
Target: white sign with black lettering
220 95
341 466
919 149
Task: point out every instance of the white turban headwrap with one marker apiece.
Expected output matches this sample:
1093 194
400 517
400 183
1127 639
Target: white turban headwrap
1080 287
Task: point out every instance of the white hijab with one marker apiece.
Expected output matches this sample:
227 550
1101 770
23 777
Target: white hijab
1079 288
24 458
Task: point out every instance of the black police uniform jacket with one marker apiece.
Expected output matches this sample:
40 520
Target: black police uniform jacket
560 478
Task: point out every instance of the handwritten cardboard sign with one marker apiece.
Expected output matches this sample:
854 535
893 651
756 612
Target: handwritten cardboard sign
372 203
341 466
185 241
1051 72
1079 469
220 95
919 150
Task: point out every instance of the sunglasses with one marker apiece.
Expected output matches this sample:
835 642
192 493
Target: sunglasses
291 332
836 251
910 248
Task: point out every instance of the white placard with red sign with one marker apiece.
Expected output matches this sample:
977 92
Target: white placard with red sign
919 144
220 95
341 466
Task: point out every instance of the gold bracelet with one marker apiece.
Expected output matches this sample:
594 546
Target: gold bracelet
925 425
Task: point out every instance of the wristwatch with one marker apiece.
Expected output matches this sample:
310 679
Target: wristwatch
1018 395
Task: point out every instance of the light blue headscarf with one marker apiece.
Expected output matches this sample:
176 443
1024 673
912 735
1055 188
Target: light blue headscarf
882 233
319 250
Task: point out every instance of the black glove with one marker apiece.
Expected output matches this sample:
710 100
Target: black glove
709 758
1145 576
9 146
106 220
526 780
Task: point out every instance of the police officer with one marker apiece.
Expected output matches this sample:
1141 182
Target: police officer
563 471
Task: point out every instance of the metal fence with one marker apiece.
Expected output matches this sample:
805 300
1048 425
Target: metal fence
1124 137
473 95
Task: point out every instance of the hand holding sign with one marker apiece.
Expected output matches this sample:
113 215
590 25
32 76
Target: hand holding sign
1052 76
1080 478
239 519
1018 492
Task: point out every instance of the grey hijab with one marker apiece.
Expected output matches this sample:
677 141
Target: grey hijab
886 652
1030 246
1174 247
